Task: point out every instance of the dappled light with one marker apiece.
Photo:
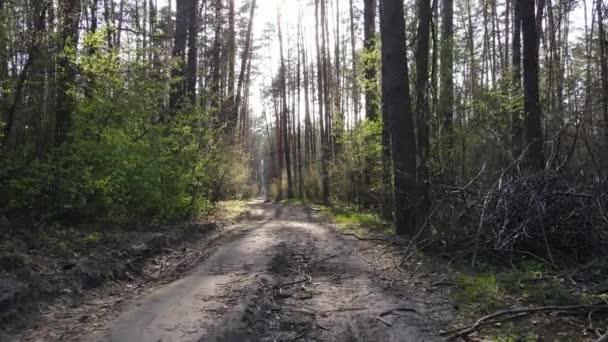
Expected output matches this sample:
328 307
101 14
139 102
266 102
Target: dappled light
314 170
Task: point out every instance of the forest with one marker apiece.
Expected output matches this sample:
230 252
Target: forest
471 129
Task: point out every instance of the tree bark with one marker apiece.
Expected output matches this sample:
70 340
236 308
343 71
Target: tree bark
244 57
192 64
178 73
532 119
446 102
284 114
516 129
68 40
369 31
397 103
214 93
422 104
603 64
354 83
320 98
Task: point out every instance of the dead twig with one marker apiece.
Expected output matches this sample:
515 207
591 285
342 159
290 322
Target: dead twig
384 321
364 238
432 214
306 280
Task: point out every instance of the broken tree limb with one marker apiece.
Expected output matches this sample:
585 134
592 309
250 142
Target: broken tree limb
517 313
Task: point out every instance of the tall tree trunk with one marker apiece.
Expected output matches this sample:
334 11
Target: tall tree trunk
387 188
422 103
3 63
446 102
369 32
215 60
178 73
308 133
516 129
323 147
327 80
244 56
108 17
397 104
532 119
353 49
230 115
191 69
284 114
603 64
69 30
34 54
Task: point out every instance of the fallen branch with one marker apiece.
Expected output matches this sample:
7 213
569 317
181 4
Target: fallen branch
384 321
489 319
603 338
388 312
307 280
364 238
432 214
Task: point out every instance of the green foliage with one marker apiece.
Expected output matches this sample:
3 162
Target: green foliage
311 183
128 158
370 60
361 158
481 133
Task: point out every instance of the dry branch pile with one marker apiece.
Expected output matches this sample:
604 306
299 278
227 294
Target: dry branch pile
546 213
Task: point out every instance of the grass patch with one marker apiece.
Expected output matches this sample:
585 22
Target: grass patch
229 210
353 220
530 284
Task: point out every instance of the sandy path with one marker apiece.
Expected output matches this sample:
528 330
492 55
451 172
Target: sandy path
284 276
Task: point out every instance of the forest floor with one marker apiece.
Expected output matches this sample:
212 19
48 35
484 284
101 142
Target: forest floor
285 273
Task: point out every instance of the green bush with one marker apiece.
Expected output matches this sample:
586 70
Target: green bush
128 158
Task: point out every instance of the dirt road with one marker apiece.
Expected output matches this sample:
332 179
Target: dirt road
284 276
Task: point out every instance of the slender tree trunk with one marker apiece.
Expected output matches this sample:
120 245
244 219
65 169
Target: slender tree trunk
422 103
34 54
603 64
446 102
4 79
69 30
353 49
284 113
507 32
320 87
215 60
308 133
387 189
532 119
244 56
178 73
369 30
191 70
516 125
108 16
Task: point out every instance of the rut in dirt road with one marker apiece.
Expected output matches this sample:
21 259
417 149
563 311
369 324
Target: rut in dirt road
285 276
